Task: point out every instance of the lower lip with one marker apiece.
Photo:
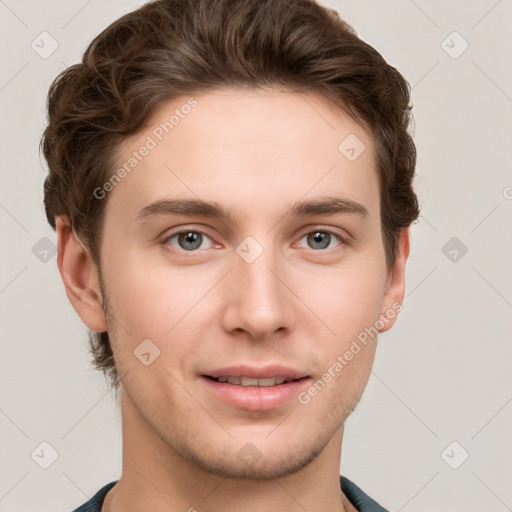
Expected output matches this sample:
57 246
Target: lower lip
256 398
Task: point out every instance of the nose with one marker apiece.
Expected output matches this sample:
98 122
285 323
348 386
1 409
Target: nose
259 298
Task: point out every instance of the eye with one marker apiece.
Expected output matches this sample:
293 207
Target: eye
190 240
321 239
187 239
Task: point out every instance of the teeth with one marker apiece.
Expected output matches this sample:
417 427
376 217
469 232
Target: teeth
246 381
250 381
269 381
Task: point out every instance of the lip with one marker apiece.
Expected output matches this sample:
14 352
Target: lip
256 398
258 373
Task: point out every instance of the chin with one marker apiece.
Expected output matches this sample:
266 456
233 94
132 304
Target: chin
251 464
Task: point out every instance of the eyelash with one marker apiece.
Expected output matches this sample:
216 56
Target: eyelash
343 241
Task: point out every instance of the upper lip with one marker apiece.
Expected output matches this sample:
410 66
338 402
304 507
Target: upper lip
263 372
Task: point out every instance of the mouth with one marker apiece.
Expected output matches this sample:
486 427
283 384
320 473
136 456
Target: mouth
255 389
250 381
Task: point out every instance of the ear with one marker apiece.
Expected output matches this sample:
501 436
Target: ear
395 286
80 276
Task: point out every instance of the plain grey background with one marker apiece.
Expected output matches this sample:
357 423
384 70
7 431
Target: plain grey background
432 431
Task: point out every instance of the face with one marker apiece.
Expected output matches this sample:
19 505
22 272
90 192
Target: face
278 287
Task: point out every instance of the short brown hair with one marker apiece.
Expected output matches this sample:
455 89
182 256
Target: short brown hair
169 48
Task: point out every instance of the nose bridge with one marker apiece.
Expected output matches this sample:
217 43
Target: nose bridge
260 301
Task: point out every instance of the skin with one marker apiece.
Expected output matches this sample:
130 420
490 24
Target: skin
298 304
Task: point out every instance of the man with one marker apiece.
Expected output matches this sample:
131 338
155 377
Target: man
231 186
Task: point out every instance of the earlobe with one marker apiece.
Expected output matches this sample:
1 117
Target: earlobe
395 285
80 277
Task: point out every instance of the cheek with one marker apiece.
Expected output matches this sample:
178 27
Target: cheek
156 305
348 299
150 299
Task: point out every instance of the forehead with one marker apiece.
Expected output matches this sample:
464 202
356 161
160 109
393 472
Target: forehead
247 147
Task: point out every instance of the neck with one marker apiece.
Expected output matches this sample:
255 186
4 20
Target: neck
156 478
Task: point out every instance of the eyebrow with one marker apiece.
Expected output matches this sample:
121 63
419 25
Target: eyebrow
321 206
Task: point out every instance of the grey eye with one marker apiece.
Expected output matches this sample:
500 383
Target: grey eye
320 239
190 240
